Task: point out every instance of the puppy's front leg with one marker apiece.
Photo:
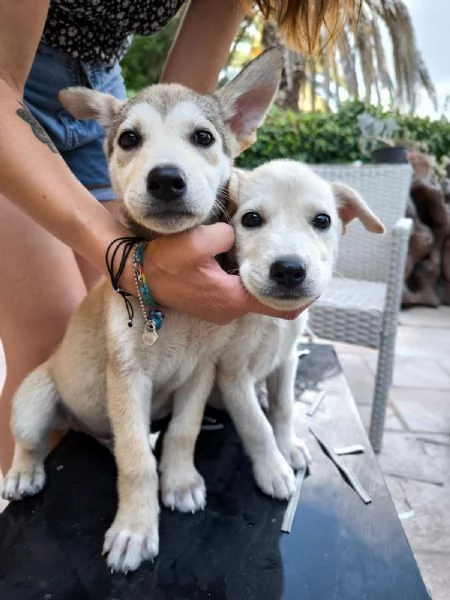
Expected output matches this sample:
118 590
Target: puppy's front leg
280 390
33 417
182 486
272 473
133 536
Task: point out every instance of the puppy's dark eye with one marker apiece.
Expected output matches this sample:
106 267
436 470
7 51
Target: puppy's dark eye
129 140
252 219
322 221
203 137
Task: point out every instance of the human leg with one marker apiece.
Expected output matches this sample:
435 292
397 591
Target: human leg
41 286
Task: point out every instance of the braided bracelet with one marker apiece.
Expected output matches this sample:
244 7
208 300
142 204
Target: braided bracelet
152 313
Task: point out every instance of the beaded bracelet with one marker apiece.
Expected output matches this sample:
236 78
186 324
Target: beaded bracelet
153 314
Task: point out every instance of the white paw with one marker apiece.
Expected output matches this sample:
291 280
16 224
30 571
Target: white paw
183 490
18 484
275 477
296 453
127 548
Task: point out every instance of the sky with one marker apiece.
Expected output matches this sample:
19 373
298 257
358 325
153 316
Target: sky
431 20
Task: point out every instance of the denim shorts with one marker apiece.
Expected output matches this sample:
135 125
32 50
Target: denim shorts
79 142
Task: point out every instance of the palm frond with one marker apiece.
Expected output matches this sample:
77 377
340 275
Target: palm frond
347 62
364 47
358 53
381 66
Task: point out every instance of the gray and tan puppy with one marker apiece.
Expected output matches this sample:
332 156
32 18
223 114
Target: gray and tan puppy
170 153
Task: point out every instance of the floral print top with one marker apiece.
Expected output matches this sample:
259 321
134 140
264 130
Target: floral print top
99 31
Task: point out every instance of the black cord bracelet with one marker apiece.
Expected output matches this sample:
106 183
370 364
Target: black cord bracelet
124 245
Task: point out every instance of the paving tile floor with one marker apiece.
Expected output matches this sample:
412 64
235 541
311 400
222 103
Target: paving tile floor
415 457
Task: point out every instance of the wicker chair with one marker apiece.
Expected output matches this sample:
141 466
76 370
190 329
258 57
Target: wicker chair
362 302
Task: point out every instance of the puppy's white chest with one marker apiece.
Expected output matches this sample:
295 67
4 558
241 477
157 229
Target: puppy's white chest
275 342
182 342
262 343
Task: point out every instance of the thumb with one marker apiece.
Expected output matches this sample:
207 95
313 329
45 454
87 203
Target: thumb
214 239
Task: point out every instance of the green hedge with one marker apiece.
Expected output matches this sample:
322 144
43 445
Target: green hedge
333 137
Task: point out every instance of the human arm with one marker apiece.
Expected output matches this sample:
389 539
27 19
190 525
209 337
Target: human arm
36 179
205 36
32 175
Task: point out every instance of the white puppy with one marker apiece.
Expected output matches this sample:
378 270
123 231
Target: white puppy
287 224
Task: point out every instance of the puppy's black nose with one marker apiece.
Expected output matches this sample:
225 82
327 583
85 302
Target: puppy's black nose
166 183
288 271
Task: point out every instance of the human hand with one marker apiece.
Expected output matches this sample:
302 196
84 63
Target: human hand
184 276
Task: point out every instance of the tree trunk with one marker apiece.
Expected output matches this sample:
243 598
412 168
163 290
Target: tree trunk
294 66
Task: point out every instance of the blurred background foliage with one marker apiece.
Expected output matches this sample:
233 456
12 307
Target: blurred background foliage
374 66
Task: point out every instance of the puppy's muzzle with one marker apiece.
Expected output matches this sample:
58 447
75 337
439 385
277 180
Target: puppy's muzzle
166 183
288 272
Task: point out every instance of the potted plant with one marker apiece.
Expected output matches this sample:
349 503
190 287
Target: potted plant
377 139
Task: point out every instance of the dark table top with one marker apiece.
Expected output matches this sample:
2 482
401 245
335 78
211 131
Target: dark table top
338 549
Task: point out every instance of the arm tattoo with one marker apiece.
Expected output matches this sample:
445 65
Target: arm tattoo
36 127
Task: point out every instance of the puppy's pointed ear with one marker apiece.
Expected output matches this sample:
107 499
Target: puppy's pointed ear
351 206
247 98
84 103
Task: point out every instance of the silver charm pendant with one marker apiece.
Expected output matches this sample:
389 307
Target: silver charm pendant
150 335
